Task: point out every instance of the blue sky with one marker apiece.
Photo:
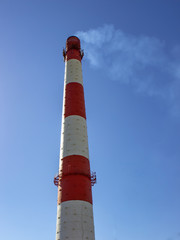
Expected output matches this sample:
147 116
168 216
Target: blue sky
131 72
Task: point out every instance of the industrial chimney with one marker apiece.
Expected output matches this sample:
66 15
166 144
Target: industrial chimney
74 181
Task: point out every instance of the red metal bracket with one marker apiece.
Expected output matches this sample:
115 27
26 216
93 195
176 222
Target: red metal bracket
58 177
57 180
93 178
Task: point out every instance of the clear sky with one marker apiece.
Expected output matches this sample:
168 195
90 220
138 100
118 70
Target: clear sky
131 72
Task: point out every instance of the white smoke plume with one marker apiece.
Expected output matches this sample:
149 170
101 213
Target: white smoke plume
140 61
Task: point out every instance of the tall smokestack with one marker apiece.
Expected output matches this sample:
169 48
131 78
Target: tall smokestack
74 181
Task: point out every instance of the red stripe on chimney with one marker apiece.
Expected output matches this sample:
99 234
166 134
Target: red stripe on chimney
74 100
75 164
75 187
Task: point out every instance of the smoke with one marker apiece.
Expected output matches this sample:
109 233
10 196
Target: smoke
142 62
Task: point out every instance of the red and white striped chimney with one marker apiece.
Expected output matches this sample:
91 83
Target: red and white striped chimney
74 210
